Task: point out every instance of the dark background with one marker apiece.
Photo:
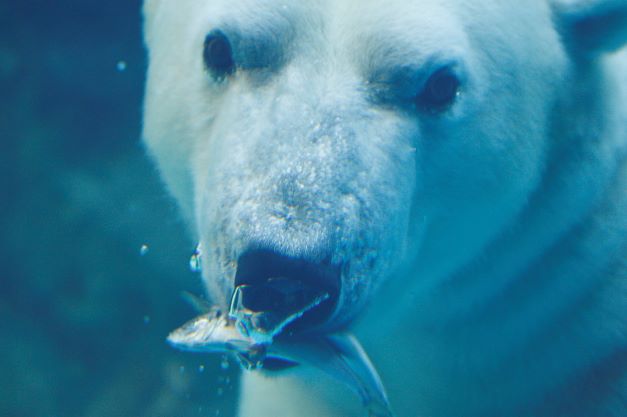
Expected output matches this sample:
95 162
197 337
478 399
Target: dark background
84 316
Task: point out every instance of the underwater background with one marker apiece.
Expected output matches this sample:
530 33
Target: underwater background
93 255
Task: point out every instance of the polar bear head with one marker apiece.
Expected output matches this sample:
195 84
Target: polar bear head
333 141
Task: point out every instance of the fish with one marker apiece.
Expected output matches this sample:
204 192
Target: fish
339 355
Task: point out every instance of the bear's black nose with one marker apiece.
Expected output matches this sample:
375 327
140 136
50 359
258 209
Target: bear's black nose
284 287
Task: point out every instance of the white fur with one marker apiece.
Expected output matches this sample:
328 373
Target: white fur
497 228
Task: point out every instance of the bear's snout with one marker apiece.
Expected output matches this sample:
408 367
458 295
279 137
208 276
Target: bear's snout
287 289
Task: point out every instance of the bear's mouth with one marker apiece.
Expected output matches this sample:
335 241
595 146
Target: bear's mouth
276 294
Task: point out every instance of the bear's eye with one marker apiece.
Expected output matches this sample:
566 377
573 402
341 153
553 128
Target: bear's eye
440 91
218 55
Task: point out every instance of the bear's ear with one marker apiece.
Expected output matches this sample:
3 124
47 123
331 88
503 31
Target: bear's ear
590 27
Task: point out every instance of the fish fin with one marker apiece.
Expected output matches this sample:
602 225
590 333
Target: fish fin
274 364
356 361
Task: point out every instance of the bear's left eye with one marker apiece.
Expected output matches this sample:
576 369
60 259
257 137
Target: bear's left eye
440 91
218 55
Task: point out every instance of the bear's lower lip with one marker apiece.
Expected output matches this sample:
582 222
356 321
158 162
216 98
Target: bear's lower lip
280 286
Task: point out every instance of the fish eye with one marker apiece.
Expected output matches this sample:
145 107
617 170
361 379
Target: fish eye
440 91
218 55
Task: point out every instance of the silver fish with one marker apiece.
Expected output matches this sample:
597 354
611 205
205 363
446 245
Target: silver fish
339 355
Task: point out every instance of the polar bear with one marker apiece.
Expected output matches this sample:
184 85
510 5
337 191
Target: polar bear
452 173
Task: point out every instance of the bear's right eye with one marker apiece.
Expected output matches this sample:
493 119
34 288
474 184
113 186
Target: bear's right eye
218 55
440 91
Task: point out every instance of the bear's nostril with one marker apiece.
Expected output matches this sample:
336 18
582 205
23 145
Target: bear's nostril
283 286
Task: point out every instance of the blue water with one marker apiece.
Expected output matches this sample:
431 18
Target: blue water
85 310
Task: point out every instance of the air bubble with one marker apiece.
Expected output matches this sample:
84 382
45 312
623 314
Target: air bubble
146 319
144 250
195 260
201 368
220 391
121 66
225 364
